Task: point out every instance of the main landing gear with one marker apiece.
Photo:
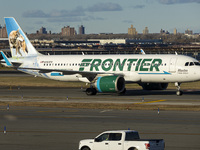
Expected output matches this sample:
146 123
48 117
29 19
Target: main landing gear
91 91
178 92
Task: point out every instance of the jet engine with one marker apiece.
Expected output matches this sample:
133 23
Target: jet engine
110 84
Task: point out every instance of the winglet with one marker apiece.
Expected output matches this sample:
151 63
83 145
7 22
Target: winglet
8 63
142 51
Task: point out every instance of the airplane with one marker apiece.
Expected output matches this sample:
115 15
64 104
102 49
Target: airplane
104 73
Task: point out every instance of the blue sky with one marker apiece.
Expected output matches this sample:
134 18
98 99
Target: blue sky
104 16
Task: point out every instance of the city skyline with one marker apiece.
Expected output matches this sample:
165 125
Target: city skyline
104 16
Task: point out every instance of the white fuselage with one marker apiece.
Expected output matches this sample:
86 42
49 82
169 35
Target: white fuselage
134 68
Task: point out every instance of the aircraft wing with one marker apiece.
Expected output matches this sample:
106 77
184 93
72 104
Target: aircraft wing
87 74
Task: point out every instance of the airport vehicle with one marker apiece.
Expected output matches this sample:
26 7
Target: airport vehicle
121 140
104 73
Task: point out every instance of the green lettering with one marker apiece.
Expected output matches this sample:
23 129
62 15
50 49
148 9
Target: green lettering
155 64
142 66
109 62
95 64
130 63
84 63
119 64
138 64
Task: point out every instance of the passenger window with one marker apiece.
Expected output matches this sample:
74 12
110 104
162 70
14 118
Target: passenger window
115 136
103 137
131 136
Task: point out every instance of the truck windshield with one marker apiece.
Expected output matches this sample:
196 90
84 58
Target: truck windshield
130 136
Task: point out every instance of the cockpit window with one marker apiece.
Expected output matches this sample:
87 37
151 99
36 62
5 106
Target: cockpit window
191 63
197 63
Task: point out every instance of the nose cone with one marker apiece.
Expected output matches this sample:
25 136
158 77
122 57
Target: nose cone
196 73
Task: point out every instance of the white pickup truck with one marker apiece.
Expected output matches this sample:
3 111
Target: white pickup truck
121 140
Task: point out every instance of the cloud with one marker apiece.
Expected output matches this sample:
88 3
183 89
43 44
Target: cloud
104 7
138 6
128 21
35 14
75 15
91 18
78 11
66 19
168 2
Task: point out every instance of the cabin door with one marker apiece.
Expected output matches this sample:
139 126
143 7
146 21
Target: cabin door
172 65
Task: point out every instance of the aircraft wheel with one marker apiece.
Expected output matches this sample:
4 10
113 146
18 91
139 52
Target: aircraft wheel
91 91
179 93
94 91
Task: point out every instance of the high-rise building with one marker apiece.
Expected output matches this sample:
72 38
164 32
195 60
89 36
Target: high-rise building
146 31
81 29
190 32
175 31
3 32
68 31
132 31
43 30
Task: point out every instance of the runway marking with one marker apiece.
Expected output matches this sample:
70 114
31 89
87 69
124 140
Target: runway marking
104 111
151 102
54 111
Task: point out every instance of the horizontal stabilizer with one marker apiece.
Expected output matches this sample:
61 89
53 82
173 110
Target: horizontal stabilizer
8 63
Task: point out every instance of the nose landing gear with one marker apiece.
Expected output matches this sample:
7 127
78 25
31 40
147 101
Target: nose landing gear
178 92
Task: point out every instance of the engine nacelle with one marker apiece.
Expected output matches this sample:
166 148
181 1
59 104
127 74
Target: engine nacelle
154 86
110 84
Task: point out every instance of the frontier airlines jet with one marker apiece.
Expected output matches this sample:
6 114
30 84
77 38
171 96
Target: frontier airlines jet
104 73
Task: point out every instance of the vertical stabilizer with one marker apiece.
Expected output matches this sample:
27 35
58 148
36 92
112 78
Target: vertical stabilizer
20 45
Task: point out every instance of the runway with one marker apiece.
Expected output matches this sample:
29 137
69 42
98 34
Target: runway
62 128
77 95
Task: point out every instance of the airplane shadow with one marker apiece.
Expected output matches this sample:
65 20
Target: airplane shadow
134 92
159 92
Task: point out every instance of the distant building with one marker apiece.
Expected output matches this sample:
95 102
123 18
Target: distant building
190 32
175 31
132 31
42 31
81 29
164 32
68 31
146 31
3 32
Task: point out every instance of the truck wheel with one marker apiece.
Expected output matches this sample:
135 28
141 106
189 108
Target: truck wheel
85 148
